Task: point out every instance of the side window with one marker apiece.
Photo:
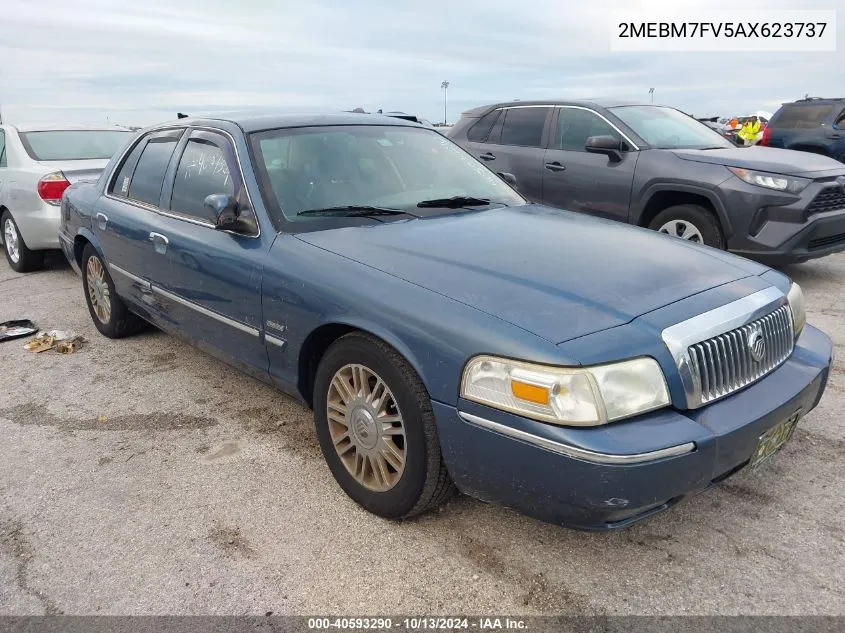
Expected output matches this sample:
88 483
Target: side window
206 167
840 120
478 133
148 177
120 185
2 148
575 126
523 126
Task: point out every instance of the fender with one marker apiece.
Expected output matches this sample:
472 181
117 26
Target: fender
371 327
69 246
637 209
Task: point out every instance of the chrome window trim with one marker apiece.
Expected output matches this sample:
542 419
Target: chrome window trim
243 327
142 282
170 213
603 118
706 325
575 452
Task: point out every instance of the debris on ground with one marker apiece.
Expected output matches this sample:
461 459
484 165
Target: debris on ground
63 342
16 329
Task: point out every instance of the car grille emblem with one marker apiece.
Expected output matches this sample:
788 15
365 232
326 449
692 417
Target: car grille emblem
757 345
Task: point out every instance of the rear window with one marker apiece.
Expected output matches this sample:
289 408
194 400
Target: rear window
797 117
74 144
524 126
478 133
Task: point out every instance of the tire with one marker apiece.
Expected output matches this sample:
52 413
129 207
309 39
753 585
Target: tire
700 223
117 321
423 481
20 258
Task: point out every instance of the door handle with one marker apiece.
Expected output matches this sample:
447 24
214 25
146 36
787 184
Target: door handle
834 136
160 242
102 220
555 166
487 156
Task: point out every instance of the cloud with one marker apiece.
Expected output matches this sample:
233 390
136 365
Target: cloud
86 60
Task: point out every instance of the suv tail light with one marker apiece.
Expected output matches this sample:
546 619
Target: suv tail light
52 186
767 132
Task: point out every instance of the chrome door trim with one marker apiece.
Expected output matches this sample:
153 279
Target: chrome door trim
243 327
573 451
142 282
706 325
603 118
272 340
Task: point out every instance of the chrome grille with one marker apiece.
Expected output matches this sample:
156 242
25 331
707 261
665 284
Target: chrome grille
724 363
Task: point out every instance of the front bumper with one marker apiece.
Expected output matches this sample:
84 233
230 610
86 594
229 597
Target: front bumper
776 228
611 476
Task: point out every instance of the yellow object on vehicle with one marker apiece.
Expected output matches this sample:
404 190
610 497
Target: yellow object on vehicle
749 130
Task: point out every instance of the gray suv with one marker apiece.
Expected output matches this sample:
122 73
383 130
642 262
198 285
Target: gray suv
657 167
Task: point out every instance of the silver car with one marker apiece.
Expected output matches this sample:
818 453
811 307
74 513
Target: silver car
37 163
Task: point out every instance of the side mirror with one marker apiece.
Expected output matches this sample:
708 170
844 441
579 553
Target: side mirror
607 145
224 210
508 178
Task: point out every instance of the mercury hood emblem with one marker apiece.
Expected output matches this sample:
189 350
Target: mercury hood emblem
757 345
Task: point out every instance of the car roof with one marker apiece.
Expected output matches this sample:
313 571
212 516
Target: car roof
68 127
585 103
816 101
251 122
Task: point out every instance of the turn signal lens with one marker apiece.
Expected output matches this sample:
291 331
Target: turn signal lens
531 393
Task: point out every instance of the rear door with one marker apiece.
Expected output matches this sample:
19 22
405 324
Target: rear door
579 181
127 222
514 142
215 290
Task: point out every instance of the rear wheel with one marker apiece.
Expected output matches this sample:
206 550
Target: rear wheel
690 222
110 315
376 429
20 258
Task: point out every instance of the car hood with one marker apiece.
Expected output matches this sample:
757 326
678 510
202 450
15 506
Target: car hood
554 273
771 159
77 170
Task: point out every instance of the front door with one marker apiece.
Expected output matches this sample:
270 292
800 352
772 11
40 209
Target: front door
216 283
579 181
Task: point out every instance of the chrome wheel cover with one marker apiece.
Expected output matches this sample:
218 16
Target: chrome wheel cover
366 427
10 238
98 289
683 229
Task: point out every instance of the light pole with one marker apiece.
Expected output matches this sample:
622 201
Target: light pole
445 86
651 92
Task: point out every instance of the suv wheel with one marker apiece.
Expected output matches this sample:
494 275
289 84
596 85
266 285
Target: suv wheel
20 258
690 222
376 429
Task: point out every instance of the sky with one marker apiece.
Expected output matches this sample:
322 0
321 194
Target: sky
93 61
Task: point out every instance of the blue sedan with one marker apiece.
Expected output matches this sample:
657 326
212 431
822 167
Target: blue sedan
446 332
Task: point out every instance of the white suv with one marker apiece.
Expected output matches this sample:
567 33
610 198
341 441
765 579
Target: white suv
37 163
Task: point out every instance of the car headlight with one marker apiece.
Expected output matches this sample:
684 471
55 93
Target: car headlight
587 396
790 184
795 297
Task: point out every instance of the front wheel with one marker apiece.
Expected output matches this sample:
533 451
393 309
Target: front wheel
110 315
20 258
376 429
690 222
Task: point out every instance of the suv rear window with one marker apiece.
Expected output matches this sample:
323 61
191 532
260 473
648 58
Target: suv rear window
478 133
798 117
524 126
74 144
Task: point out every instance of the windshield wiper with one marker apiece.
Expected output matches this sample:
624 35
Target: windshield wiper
456 202
353 211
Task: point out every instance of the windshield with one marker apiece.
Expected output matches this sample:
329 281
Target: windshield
388 167
74 144
666 128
